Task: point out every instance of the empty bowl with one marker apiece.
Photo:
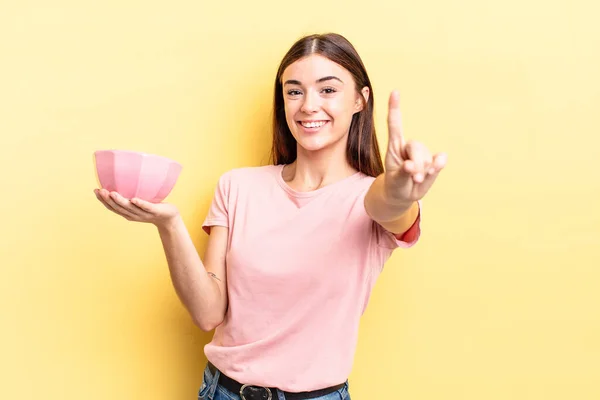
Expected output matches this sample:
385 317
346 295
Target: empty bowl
135 174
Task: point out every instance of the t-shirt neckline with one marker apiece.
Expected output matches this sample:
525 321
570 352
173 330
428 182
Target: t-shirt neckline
279 177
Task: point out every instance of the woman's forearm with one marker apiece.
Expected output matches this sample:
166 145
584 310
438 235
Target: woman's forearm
199 292
395 217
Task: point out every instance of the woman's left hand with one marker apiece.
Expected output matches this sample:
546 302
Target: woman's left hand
410 168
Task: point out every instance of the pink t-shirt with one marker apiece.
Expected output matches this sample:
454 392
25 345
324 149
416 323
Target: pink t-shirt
300 269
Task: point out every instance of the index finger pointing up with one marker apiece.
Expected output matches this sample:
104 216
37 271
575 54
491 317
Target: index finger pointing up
395 119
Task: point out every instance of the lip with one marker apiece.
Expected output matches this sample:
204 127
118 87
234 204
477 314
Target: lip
312 130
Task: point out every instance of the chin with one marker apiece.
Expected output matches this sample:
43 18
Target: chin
313 149
316 143
312 146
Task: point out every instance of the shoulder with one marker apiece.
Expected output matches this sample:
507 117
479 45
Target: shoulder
245 173
244 176
362 183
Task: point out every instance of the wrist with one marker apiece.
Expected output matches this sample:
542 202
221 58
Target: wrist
390 195
382 206
170 223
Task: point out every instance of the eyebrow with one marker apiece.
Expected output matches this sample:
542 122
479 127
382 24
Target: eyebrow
324 79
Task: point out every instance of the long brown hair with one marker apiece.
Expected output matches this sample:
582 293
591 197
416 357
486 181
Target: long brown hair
362 150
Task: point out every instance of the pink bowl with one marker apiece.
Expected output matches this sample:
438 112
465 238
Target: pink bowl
134 174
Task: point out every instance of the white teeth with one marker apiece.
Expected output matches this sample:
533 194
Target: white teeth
313 124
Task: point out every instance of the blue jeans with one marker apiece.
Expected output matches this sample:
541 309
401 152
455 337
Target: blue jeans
211 390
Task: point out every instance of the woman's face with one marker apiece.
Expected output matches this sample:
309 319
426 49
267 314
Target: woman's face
320 99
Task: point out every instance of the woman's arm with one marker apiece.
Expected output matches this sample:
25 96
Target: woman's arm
201 287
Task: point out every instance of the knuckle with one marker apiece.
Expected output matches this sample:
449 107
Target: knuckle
416 145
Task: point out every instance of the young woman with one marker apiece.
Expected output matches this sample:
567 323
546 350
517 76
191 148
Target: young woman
295 247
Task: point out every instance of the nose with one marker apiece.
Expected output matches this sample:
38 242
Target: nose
311 103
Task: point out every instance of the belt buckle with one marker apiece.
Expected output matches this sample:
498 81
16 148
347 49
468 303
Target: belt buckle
270 395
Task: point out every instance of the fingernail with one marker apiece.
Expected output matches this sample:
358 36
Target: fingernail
419 177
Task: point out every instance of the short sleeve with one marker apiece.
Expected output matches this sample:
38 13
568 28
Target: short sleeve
389 240
218 213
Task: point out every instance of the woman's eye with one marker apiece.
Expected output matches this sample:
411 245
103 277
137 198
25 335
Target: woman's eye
294 92
329 90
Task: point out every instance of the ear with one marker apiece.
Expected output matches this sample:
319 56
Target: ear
362 99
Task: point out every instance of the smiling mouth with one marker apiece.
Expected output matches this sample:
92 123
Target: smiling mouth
312 124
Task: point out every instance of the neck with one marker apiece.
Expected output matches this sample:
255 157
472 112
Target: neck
315 169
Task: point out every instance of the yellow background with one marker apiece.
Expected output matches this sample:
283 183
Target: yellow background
500 298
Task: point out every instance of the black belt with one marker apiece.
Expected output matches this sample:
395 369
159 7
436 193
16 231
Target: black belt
252 392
